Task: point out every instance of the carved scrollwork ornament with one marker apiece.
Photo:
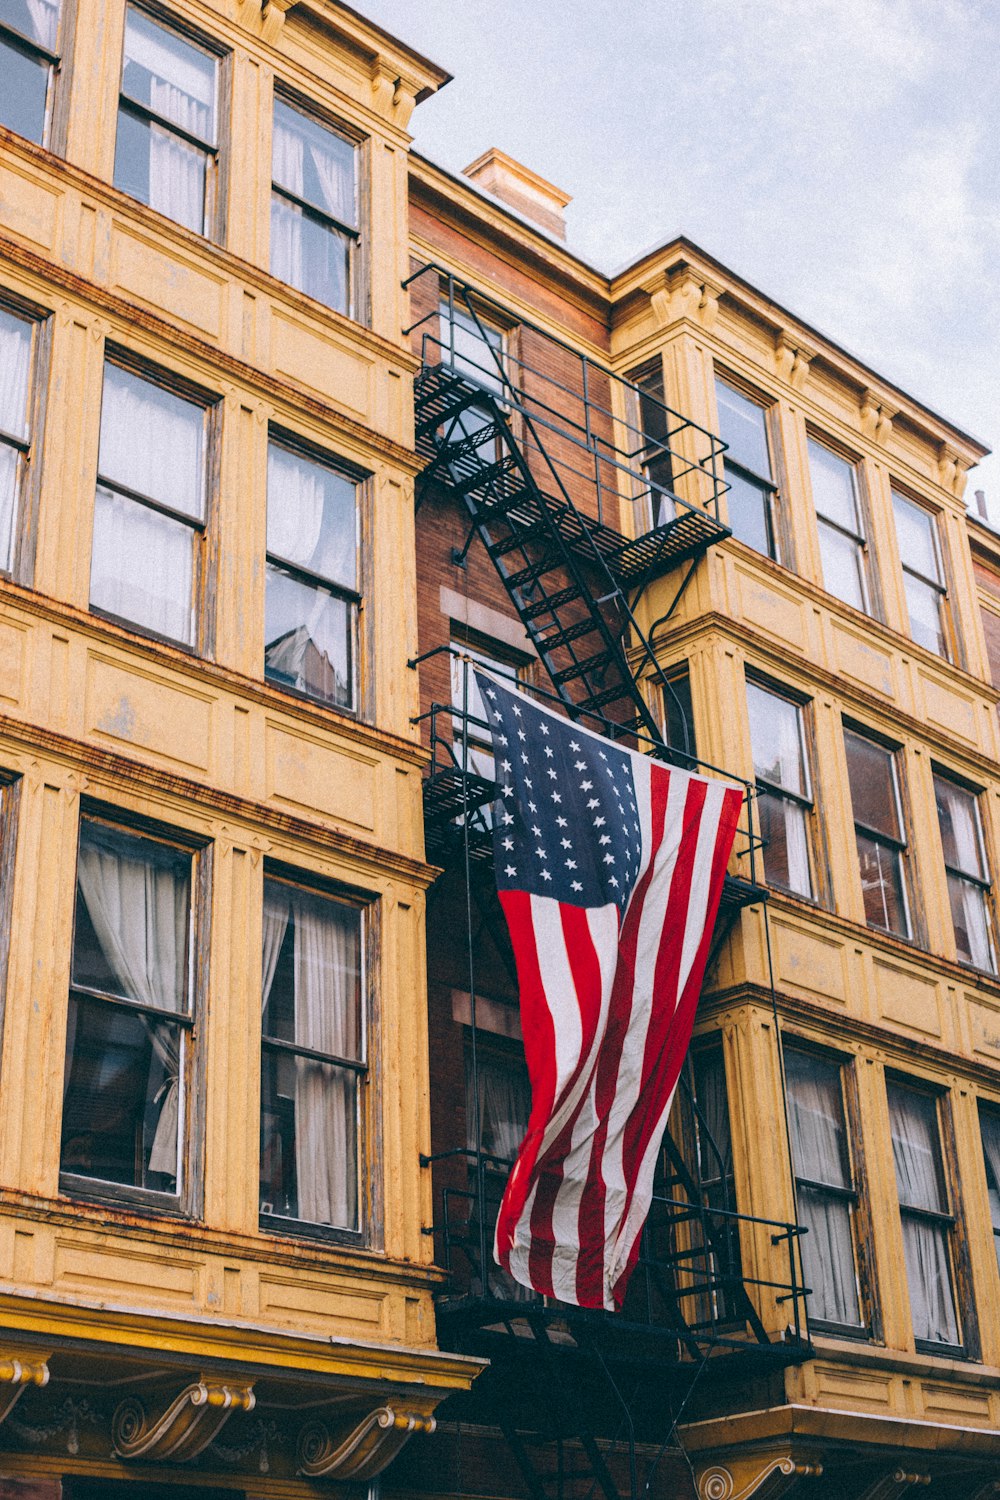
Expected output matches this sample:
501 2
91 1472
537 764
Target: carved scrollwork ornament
184 1428
754 1479
359 1449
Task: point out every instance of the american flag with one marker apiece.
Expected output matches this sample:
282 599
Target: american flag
609 868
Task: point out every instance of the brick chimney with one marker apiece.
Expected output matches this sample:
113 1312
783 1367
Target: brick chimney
521 189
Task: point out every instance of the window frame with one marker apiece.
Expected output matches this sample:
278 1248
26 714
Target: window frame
362 652
769 487
357 299
983 884
806 803
53 60
868 1328
24 522
900 846
938 585
187 1203
368 1165
203 561
860 539
648 385
949 1221
990 1107
679 672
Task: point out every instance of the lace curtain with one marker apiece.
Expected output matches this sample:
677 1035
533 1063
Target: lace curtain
139 910
326 962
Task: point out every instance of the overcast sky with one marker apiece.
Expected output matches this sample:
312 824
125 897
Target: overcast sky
842 155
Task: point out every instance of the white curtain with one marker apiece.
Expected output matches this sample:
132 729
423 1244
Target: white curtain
142 566
44 22
991 1150
139 911
181 89
153 442
295 499
326 964
913 1123
817 1125
504 1107
299 143
15 362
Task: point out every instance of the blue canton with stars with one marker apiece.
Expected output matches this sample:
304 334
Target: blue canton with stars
565 822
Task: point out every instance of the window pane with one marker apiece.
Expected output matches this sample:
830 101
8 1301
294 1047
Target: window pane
170 76
743 427
472 348
833 487
916 536
153 442
776 738
132 918
843 566
312 516
970 918
310 255
932 1301
120 1106
816 1118
990 1126
10 472
924 605
958 818
882 886
504 1106
309 639
312 997
916 1149
871 772
161 169
749 512
786 844
678 714
828 1258
467 699
24 92
38 20
314 163
15 367
142 567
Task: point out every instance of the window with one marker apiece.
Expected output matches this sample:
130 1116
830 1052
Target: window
747 464
474 348
313 1064
311 614
968 876
129 1034
470 722
714 1145
878 829
825 1187
923 1206
784 796
841 533
314 215
923 575
16 339
653 442
678 711
504 1096
149 512
989 1124
29 37
166 153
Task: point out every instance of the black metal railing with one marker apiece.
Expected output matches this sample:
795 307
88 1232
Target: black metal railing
582 428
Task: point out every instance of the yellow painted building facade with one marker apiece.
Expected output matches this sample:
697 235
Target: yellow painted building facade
203 254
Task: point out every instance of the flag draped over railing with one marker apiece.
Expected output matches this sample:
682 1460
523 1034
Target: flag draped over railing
609 869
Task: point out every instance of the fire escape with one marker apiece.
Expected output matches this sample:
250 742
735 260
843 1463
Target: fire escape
538 444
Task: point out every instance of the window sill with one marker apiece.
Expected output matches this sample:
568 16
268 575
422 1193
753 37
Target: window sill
276 1227
935 1359
98 1192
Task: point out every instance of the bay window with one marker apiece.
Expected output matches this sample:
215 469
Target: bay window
166 152
923 575
841 531
878 832
826 1192
748 471
131 1015
967 872
784 795
149 511
29 58
314 210
313 1058
311 612
17 335
927 1220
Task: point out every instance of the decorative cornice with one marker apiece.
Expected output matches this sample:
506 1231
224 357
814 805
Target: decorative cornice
184 1427
394 94
684 294
877 412
792 358
361 1449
